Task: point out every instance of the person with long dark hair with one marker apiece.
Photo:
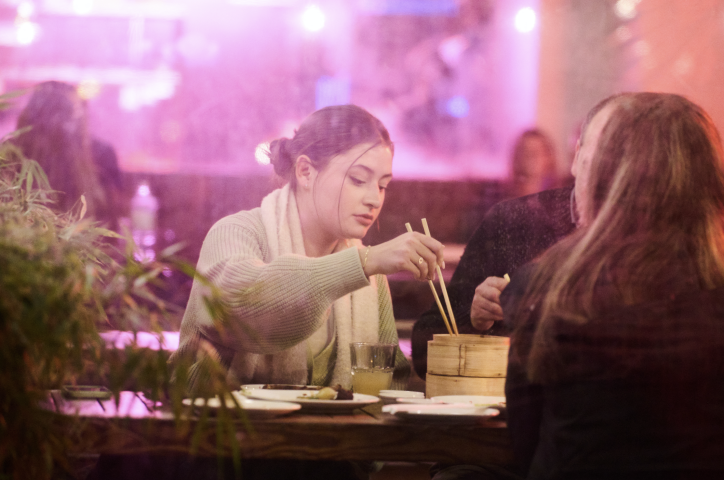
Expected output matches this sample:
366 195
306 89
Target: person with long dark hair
75 163
618 343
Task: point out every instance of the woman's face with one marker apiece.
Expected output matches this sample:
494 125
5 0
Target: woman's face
349 193
534 167
581 167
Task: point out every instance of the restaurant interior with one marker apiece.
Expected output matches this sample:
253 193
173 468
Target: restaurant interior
189 93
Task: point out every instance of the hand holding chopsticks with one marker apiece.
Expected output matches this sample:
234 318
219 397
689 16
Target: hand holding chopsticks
442 287
434 293
413 252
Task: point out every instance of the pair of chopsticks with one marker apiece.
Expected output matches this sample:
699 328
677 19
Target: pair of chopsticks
442 287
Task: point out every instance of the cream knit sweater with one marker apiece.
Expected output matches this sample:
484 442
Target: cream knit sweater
275 304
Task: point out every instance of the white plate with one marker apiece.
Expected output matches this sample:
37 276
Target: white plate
312 405
419 401
477 400
254 409
457 412
394 396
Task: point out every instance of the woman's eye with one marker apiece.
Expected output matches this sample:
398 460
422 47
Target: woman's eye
356 181
383 188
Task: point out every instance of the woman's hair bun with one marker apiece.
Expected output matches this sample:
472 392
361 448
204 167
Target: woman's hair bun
281 157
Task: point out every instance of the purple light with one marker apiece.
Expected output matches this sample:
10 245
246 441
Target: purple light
261 154
82 7
26 9
458 106
525 20
25 32
313 18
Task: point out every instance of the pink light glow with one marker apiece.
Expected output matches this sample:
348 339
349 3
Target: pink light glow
406 347
26 32
313 18
525 20
119 339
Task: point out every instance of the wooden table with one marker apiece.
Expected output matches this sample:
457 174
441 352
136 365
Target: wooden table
368 434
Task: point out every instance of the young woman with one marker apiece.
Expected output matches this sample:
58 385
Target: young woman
616 358
297 284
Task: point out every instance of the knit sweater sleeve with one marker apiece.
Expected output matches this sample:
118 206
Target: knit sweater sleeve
270 305
388 333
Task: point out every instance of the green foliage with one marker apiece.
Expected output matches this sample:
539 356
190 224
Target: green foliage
60 278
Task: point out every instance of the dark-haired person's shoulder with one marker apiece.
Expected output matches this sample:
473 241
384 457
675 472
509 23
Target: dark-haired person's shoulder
552 204
530 224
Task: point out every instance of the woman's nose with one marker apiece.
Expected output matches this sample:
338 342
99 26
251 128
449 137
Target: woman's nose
373 197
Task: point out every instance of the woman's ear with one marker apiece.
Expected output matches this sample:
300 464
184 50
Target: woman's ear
304 171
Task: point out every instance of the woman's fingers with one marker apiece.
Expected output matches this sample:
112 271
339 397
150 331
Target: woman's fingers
423 268
435 247
413 251
428 260
429 253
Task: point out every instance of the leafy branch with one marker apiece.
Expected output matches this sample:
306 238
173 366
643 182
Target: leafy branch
61 278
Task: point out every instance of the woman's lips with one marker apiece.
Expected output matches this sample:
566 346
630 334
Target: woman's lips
365 220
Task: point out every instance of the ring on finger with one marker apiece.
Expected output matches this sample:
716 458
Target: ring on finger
420 260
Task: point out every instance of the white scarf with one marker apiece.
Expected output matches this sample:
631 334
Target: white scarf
356 315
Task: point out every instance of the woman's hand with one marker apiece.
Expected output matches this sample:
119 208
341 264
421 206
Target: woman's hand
414 252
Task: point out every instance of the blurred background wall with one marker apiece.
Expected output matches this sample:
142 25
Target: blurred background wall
591 49
187 90
195 85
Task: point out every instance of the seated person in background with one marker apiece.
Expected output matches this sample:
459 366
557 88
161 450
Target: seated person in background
511 234
298 283
75 163
618 343
533 167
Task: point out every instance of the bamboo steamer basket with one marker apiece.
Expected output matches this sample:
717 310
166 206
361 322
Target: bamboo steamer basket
466 365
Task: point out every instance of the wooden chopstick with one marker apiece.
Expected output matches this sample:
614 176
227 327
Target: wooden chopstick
434 294
442 284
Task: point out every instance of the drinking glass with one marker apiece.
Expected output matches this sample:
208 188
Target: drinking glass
372 366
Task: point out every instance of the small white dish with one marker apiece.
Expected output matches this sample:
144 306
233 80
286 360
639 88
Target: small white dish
264 386
393 396
476 400
254 409
418 401
457 412
312 405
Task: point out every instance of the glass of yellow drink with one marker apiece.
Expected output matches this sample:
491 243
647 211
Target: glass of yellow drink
372 366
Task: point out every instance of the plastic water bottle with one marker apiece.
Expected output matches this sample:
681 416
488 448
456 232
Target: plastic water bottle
144 209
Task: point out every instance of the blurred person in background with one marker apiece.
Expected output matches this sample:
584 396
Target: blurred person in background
618 342
76 163
533 164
